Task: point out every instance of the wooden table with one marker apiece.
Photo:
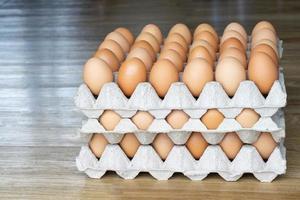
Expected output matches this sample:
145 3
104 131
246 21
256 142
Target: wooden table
43 46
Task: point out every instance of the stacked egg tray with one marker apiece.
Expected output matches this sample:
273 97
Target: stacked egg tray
178 97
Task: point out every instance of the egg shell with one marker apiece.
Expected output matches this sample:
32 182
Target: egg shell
238 28
114 47
267 42
131 73
176 47
247 118
109 57
129 144
196 144
126 33
201 52
230 72
234 34
267 50
262 71
144 44
109 119
236 53
212 119
206 27
97 144
148 37
143 55
264 34
162 145
96 73
142 119
261 25
162 75
196 74
231 144
265 145
120 39
176 37
155 31
208 37
205 44
174 57
177 118
183 30
232 42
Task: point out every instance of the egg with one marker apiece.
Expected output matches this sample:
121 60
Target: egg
143 55
177 118
267 50
129 144
205 44
109 57
236 53
174 57
196 144
176 47
247 118
97 144
162 75
212 119
265 145
155 31
262 71
196 74
131 73
261 25
231 145
96 73
238 28
109 120
126 33
264 34
232 42
206 27
142 120
229 73
148 37
183 30
114 47
176 37
208 37
145 45
201 52
120 39
234 34
162 145
267 42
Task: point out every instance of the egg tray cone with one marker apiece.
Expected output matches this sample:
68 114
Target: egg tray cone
180 160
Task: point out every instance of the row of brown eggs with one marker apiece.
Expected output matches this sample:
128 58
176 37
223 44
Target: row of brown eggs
196 144
177 118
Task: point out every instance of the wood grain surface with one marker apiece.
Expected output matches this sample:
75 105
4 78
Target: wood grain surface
43 46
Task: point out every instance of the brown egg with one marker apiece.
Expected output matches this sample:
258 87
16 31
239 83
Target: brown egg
162 75
230 72
236 53
143 55
162 145
206 27
262 71
196 74
234 34
208 37
126 33
155 31
231 145
148 37
174 57
109 120
109 57
131 73
267 42
265 145
261 25
176 37
96 73
267 50
205 44
147 46
97 144
247 118
114 47
201 52
196 144
129 144
183 30
238 28
232 42
142 120
120 39
177 118
212 119
176 47
264 34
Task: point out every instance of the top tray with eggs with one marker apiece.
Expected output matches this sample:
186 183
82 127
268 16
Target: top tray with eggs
190 73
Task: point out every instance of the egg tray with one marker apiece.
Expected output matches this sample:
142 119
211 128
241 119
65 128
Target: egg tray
180 160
